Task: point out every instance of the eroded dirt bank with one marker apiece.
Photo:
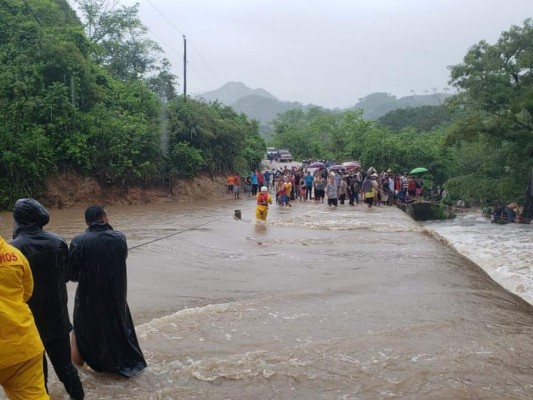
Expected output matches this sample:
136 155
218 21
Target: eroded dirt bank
67 190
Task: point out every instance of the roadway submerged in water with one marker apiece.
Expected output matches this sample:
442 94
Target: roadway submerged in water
316 304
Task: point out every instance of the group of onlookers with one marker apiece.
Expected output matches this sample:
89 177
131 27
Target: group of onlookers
334 187
353 186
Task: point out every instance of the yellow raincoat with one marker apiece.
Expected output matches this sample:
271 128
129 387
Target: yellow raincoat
19 338
263 200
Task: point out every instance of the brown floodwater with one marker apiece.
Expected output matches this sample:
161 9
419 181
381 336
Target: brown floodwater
318 303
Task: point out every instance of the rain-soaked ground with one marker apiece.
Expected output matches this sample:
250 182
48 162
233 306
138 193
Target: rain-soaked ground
319 303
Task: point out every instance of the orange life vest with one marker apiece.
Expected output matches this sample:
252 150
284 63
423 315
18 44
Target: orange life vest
262 199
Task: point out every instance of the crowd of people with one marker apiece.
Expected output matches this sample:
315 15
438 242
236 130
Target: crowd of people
324 185
34 318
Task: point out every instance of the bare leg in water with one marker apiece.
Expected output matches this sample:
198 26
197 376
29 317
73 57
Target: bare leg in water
74 352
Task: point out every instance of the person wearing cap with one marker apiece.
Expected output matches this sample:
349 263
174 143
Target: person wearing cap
47 254
21 348
263 200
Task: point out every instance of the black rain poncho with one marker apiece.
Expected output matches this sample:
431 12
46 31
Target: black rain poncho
102 321
47 254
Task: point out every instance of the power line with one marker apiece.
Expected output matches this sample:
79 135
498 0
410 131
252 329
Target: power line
177 55
164 17
183 34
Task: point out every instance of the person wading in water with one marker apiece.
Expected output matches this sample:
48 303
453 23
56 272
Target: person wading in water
263 200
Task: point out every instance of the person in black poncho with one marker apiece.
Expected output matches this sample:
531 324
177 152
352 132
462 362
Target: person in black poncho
104 336
47 254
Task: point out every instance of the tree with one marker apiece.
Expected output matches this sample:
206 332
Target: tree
227 141
120 39
496 103
423 119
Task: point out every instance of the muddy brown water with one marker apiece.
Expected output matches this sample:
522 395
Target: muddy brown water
319 303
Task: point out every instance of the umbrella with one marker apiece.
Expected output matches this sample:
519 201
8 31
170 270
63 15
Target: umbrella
351 164
418 170
317 164
337 167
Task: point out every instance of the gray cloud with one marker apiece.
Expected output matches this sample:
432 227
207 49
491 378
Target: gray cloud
328 53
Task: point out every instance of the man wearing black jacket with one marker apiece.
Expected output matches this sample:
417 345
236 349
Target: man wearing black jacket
47 254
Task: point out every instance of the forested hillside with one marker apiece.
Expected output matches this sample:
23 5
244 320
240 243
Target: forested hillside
257 104
231 92
376 105
262 106
91 94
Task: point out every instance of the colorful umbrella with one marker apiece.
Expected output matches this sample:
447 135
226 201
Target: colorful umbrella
337 168
418 170
351 164
317 164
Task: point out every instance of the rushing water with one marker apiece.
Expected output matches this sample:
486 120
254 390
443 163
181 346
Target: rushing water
318 303
505 252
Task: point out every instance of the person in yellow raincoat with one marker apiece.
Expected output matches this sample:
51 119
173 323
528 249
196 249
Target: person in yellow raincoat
263 200
21 349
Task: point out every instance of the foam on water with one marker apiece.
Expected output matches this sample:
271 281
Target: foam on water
505 252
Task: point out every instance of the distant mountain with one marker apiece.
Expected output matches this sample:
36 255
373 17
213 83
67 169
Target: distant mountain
234 91
257 104
262 106
376 105
264 109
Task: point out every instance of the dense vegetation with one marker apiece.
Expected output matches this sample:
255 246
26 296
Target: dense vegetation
376 105
96 97
479 145
423 118
348 136
262 106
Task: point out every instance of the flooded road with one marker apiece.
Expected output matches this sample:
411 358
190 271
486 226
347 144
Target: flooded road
316 304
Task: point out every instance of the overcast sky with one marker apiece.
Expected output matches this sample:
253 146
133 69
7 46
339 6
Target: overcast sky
325 52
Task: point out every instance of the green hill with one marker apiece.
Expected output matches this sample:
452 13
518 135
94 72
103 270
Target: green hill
232 92
376 105
262 106
264 109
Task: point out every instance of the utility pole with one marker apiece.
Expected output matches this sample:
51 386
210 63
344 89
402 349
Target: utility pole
184 68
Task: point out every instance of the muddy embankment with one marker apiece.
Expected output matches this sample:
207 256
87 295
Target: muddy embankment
67 190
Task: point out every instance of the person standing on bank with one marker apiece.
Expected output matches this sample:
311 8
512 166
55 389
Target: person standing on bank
21 348
263 200
104 335
47 254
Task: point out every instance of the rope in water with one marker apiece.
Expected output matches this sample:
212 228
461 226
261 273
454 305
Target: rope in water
176 233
